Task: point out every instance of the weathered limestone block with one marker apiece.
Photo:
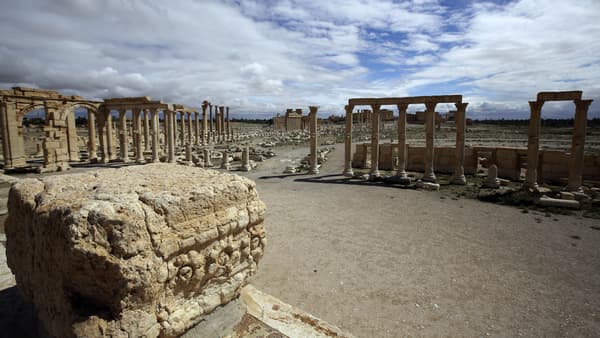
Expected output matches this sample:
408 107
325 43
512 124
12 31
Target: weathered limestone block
137 251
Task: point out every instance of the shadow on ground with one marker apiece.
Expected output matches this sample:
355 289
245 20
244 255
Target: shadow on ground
18 318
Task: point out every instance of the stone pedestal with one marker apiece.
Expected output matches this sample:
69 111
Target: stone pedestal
142 251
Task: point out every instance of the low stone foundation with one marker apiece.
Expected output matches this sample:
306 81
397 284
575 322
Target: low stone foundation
138 251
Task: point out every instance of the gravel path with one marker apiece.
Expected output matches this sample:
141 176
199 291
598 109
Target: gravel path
389 262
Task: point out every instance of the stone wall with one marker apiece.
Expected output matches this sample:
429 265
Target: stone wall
554 164
138 251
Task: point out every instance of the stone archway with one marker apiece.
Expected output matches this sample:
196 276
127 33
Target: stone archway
577 144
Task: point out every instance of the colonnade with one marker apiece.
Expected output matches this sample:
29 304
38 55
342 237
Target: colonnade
402 105
181 126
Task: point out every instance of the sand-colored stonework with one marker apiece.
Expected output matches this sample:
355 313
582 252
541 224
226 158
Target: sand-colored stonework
138 251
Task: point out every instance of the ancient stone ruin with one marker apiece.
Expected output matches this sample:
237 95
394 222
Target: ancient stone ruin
133 252
138 123
402 104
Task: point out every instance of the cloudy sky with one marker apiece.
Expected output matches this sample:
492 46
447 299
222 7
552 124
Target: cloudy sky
260 57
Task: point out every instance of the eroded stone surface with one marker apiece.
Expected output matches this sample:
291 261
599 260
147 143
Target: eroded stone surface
137 251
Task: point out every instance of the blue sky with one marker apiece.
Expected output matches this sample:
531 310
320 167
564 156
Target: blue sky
261 57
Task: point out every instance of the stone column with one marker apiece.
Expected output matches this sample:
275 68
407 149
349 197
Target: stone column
93 155
577 145
401 173
207 160
170 123
102 134
182 115
225 160
348 143
204 124
314 165
109 136
146 130
374 142
189 127
197 128
72 143
227 125
429 175
154 133
211 134
220 123
123 138
458 177
533 144
137 125
246 159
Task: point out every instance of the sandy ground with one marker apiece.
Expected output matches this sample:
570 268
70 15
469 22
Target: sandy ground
389 262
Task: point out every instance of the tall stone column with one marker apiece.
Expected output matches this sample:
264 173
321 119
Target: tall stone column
197 128
211 133
182 115
401 173
429 174
109 136
314 165
92 151
374 142
246 159
533 143
155 131
189 127
137 125
170 124
101 119
227 125
72 144
348 143
204 124
577 145
458 177
220 123
123 138
147 130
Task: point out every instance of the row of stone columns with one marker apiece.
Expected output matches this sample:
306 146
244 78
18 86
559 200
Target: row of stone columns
186 130
429 175
217 128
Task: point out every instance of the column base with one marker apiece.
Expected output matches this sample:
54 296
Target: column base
374 175
348 173
574 188
459 180
245 167
429 178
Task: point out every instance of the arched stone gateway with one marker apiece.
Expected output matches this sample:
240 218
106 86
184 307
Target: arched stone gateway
577 144
60 143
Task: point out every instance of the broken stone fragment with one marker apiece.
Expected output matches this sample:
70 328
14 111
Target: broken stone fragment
138 251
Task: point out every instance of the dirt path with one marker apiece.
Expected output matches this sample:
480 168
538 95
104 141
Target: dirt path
389 262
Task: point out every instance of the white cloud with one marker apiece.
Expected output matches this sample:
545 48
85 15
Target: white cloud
264 56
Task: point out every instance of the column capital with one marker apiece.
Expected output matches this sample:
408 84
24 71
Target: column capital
430 106
536 105
348 109
402 107
313 109
582 104
375 106
461 106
